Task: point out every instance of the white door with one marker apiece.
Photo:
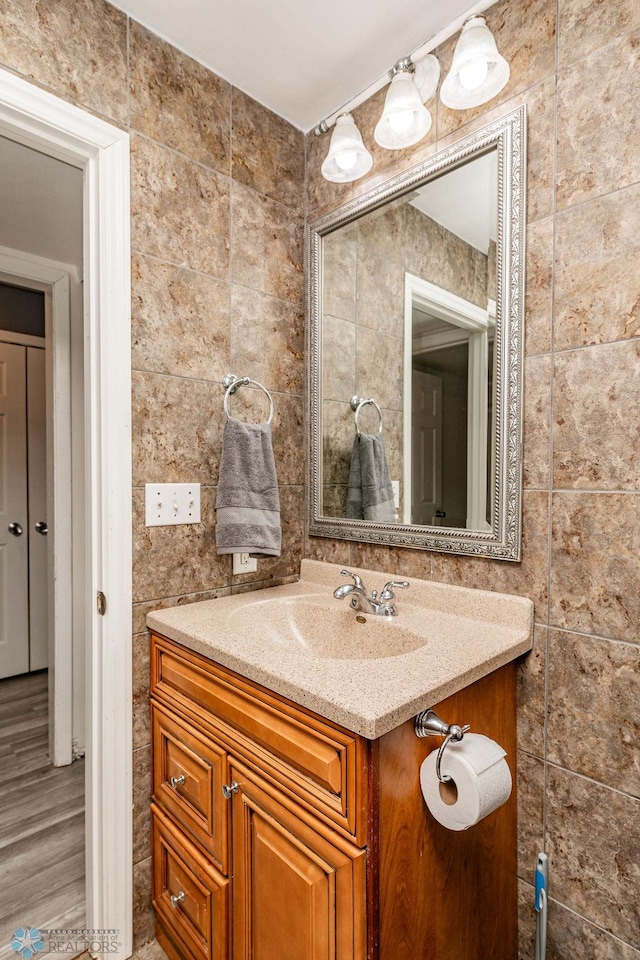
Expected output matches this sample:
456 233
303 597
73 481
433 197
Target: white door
23 499
426 441
37 495
14 546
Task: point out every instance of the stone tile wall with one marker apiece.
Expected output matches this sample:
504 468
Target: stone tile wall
575 64
217 280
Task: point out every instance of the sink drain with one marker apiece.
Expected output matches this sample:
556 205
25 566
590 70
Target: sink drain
361 619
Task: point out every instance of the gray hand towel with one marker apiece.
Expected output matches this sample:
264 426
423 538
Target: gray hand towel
248 502
370 494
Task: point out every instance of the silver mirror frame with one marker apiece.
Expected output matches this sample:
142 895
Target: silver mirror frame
504 541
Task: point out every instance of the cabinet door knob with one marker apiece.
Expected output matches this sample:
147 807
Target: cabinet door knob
177 781
229 789
15 529
41 527
176 898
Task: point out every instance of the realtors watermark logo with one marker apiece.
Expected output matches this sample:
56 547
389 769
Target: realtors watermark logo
27 941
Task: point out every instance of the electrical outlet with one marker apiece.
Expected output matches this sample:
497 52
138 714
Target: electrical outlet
244 563
167 504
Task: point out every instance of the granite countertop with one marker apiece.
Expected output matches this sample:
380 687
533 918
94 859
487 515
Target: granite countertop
444 639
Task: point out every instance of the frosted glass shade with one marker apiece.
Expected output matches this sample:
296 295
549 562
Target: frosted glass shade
348 159
405 120
478 72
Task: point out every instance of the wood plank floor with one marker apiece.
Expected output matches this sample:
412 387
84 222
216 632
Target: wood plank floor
41 819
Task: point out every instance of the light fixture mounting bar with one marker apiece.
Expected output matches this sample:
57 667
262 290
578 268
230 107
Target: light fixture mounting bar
428 47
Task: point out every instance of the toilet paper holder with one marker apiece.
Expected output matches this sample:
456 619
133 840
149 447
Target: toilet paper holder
429 724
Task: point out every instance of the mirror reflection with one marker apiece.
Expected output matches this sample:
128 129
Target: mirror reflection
407 348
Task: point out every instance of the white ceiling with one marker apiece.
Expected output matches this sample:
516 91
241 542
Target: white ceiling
301 58
465 201
40 204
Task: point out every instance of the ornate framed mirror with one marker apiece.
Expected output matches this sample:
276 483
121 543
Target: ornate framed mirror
415 353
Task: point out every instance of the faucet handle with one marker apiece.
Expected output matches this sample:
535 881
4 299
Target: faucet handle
356 579
387 592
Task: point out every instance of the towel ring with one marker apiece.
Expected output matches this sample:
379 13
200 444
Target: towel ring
233 383
357 403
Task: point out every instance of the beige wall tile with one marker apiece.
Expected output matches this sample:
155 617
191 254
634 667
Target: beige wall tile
330 551
531 695
338 431
539 287
268 152
140 610
267 340
177 428
595 568
399 561
179 209
597 284
339 273
525 36
586 25
141 801
78 48
537 421
593 837
526 920
527 578
530 790
177 101
267 245
597 128
569 936
141 724
143 916
593 725
180 321
338 358
379 371
177 559
596 407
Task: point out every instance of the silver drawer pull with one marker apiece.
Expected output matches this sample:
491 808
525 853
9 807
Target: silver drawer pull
177 898
177 781
228 790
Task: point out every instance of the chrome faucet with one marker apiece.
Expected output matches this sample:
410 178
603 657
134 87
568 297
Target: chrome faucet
379 606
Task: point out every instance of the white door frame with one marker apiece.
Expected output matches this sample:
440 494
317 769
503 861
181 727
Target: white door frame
467 316
55 281
38 119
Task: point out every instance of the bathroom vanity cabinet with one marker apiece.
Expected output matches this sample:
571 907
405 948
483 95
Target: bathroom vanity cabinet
279 835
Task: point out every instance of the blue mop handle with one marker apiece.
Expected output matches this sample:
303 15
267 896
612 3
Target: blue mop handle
542 882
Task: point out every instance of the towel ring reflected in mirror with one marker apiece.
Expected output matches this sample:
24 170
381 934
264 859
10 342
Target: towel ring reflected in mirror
357 403
233 383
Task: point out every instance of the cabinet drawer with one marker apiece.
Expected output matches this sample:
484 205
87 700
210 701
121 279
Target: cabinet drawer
197 919
188 773
322 764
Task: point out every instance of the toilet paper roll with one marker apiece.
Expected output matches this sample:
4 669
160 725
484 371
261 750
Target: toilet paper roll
480 781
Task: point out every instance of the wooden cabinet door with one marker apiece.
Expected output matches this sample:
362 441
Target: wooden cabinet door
298 888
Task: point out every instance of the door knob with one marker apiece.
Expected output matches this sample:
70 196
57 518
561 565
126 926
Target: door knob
15 529
41 527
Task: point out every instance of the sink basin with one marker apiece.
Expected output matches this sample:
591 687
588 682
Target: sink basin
312 626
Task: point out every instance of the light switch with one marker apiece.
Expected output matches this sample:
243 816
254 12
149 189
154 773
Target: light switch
171 503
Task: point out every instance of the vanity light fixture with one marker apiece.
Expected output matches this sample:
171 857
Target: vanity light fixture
405 120
348 158
478 72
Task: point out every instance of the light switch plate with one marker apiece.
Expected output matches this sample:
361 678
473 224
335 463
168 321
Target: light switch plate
167 504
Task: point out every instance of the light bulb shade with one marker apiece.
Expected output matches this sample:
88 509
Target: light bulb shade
427 77
478 72
405 120
348 158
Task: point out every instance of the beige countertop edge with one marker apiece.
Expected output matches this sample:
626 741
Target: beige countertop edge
369 726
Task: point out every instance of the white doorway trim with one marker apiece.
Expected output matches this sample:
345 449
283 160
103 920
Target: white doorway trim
38 119
55 281
476 323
